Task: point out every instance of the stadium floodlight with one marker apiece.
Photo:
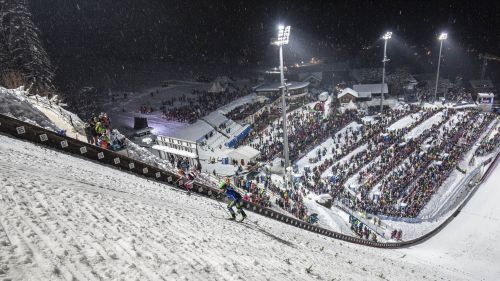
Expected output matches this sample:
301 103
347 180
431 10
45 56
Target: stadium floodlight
386 37
443 36
283 35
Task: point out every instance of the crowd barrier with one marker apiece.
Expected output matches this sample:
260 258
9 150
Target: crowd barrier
35 134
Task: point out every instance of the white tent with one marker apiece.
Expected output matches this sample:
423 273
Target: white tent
351 105
323 96
216 88
245 153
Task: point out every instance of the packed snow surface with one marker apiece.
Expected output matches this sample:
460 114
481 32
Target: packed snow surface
470 243
66 218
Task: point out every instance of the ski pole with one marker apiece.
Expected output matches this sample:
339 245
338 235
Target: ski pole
220 205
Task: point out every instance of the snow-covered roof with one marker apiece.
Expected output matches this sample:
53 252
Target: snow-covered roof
215 119
274 87
364 95
371 88
347 91
193 132
244 152
485 95
314 75
168 149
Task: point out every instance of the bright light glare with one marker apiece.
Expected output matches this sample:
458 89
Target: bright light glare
387 35
283 35
443 36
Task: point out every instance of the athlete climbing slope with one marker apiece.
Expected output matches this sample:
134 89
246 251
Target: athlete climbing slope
234 199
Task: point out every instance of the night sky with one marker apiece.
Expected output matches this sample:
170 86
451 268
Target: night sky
239 32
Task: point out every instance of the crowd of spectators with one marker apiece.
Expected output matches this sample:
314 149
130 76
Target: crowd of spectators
426 163
243 111
489 144
98 132
201 104
361 229
291 200
306 130
453 94
376 138
252 192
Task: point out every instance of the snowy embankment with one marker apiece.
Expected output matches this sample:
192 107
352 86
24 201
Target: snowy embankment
405 122
19 104
332 218
65 218
427 124
14 103
470 243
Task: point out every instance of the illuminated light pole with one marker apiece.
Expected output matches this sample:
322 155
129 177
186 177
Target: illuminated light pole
386 37
283 37
441 38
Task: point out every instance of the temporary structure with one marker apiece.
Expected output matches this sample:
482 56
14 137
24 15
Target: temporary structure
216 88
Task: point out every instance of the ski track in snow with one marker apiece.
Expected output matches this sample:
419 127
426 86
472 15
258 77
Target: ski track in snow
66 218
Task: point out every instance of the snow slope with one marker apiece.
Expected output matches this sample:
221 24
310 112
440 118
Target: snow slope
470 243
65 218
14 103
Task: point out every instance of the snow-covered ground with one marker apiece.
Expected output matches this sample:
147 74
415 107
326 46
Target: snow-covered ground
404 122
332 218
16 103
427 124
470 243
65 218
123 110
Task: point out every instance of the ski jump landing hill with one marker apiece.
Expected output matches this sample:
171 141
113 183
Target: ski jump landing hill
39 135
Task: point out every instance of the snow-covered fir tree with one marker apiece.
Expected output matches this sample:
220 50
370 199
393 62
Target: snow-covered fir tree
23 59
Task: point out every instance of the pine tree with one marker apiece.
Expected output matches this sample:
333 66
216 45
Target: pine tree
23 59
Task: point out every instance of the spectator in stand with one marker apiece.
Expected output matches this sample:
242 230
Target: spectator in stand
88 133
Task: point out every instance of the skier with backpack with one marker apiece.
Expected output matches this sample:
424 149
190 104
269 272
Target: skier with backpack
234 198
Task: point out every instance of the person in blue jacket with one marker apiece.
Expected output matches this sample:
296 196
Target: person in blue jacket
234 199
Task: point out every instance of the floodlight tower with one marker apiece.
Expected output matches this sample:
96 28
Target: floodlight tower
283 36
443 36
386 37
